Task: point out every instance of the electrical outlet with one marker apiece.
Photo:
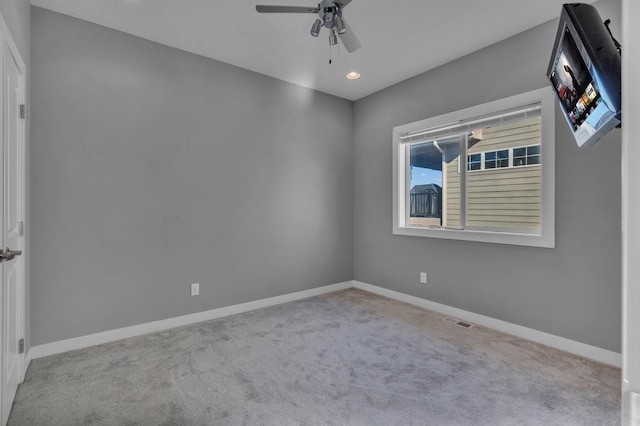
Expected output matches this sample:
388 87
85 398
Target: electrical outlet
195 289
423 277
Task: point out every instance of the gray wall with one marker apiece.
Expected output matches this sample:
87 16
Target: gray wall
153 168
17 15
571 291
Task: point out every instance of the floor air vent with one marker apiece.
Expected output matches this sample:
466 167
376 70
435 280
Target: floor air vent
457 322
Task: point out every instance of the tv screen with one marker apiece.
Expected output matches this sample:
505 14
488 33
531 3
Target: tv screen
585 73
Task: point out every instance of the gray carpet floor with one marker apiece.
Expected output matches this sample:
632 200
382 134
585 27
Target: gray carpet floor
346 358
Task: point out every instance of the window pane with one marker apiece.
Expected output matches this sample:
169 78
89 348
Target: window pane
533 150
489 160
425 195
503 158
503 197
473 162
434 172
519 157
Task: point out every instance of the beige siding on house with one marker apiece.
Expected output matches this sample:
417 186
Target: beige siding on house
452 194
503 197
519 133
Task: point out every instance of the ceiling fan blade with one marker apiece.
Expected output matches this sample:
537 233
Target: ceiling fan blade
349 39
286 9
343 3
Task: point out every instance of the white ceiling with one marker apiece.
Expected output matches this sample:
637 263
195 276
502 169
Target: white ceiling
400 39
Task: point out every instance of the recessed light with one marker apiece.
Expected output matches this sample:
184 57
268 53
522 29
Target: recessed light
353 75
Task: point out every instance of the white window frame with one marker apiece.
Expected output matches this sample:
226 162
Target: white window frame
546 236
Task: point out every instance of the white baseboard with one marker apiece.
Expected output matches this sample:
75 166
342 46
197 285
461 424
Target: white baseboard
25 365
567 345
587 351
61 346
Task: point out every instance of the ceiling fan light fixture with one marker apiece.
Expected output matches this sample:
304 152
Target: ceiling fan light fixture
333 37
315 28
330 16
353 75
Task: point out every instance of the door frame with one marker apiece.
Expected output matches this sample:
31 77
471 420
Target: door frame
23 361
630 213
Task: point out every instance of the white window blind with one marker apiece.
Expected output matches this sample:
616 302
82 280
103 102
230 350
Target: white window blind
462 126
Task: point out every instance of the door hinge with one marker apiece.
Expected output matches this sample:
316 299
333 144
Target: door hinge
21 228
21 346
23 111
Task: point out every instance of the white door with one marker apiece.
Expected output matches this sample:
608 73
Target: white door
13 269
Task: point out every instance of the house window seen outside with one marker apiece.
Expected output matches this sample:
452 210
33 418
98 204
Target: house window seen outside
474 162
496 159
526 156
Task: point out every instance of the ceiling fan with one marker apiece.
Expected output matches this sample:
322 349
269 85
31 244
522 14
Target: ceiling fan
330 16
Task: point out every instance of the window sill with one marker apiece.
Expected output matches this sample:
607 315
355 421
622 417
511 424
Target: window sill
511 238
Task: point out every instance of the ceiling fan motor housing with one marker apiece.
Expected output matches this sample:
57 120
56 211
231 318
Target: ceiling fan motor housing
328 11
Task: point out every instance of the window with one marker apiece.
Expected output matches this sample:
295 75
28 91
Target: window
526 156
496 159
474 162
522 156
485 173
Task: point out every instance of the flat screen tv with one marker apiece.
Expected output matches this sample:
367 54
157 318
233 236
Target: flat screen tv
584 71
